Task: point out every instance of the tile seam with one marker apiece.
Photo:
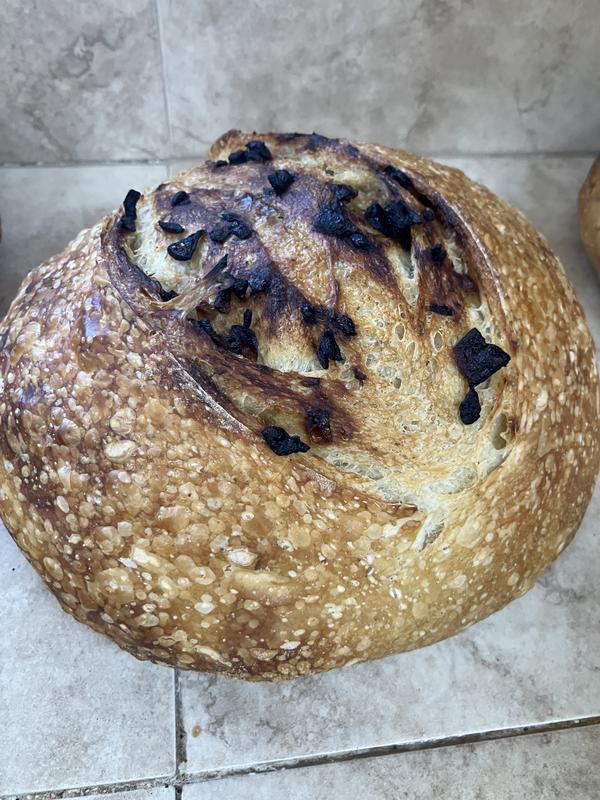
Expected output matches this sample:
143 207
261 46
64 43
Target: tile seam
163 72
181 779
434 154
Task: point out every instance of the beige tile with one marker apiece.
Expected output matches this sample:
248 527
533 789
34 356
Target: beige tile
43 208
75 709
453 76
81 81
545 767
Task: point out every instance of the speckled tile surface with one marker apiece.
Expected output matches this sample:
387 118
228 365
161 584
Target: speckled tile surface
453 76
136 80
76 78
75 710
545 767
163 793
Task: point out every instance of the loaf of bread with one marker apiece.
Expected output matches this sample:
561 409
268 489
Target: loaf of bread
306 404
589 213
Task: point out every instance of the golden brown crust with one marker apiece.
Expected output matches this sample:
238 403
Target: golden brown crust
588 206
133 472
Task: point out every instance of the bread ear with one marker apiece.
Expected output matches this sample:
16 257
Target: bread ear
227 143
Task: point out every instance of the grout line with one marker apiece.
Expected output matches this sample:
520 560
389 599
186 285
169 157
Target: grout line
337 757
123 162
434 154
163 72
515 154
173 167
377 751
180 734
102 789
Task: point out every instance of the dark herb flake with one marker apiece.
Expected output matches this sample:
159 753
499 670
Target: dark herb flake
281 443
179 198
239 287
280 180
345 324
470 408
184 249
399 216
260 279
477 359
359 375
220 233
240 338
309 313
445 311
437 254
360 241
318 422
129 207
170 227
222 301
328 349
218 268
395 221
343 192
128 223
334 222
238 157
166 294
258 151
375 216
399 176
205 326
237 226
316 140
130 203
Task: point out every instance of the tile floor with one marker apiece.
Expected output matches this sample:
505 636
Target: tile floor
543 767
77 714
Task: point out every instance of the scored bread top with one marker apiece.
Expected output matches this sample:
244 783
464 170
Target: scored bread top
305 404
